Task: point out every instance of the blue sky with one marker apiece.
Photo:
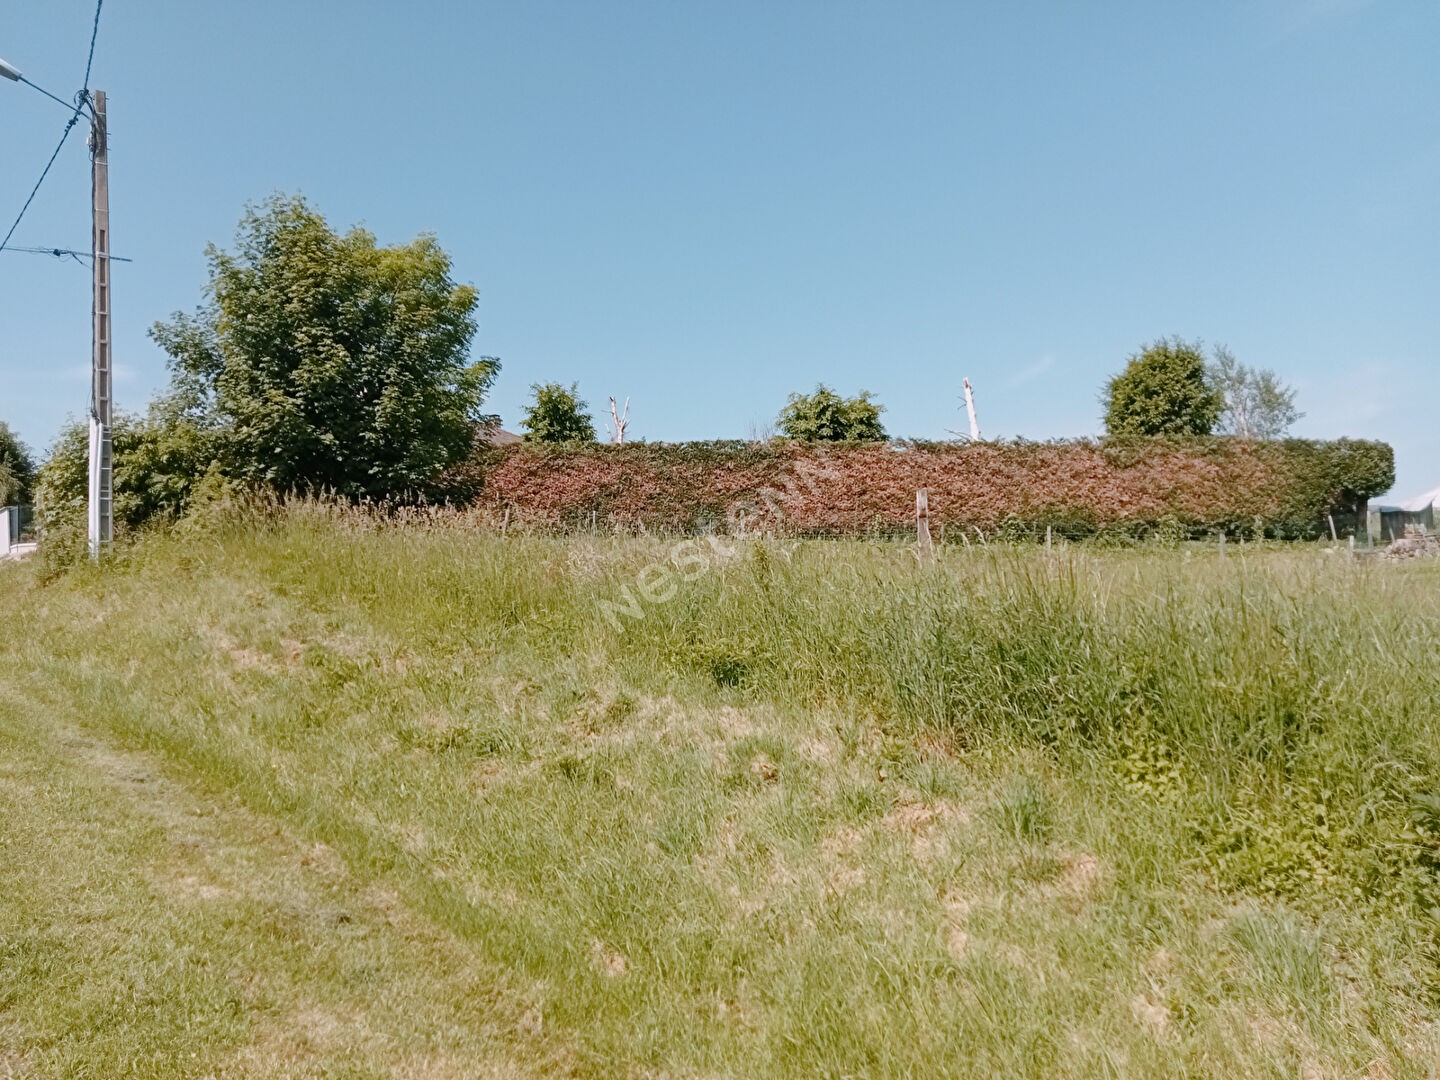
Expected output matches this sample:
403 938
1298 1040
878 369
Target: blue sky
705 206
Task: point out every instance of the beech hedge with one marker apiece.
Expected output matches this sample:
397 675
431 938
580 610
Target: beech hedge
1123 488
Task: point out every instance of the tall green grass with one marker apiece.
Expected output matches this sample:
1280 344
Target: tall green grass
817 809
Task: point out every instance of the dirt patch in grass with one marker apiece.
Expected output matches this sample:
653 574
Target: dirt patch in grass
926 826
1151 1014
608 960
733 723
763 769
13 1063
243 657
1078 878
957 939
192 887
301 1037
845 840
816 749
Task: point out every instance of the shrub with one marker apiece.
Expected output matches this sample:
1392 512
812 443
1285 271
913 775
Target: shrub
557 415
825 416
159 460
1164 390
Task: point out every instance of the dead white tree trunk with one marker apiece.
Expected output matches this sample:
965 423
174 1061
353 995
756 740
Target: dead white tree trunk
970 411
925 550
622 421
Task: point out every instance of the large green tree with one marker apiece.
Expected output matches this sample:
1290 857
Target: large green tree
17 468
1164 390
556 414
825 416
323 360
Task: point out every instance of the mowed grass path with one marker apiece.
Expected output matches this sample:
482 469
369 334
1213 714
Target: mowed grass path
319 797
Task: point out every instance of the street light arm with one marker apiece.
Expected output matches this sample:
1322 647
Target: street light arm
13 74
78 106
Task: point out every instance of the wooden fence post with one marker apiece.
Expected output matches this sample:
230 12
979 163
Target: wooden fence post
925 550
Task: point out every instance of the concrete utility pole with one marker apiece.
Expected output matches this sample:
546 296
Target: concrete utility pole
102 488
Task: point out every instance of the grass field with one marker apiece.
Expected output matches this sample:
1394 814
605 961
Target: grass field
316 796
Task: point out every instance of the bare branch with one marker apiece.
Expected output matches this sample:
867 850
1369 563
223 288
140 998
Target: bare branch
621 419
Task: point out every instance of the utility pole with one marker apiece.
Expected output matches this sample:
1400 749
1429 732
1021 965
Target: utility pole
102 488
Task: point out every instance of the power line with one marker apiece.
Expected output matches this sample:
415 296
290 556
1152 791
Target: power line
81 100
94 33
61 252
46 172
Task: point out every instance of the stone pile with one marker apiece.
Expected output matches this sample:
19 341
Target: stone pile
1413 545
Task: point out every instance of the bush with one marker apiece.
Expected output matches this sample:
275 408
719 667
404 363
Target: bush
159 461
557 415
1164 390
825 416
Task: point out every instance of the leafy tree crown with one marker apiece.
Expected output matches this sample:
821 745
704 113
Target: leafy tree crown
1164 390
557 415
324 360
17 468
1257 404
825 416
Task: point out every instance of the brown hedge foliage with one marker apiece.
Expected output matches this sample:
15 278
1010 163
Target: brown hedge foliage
1080 488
